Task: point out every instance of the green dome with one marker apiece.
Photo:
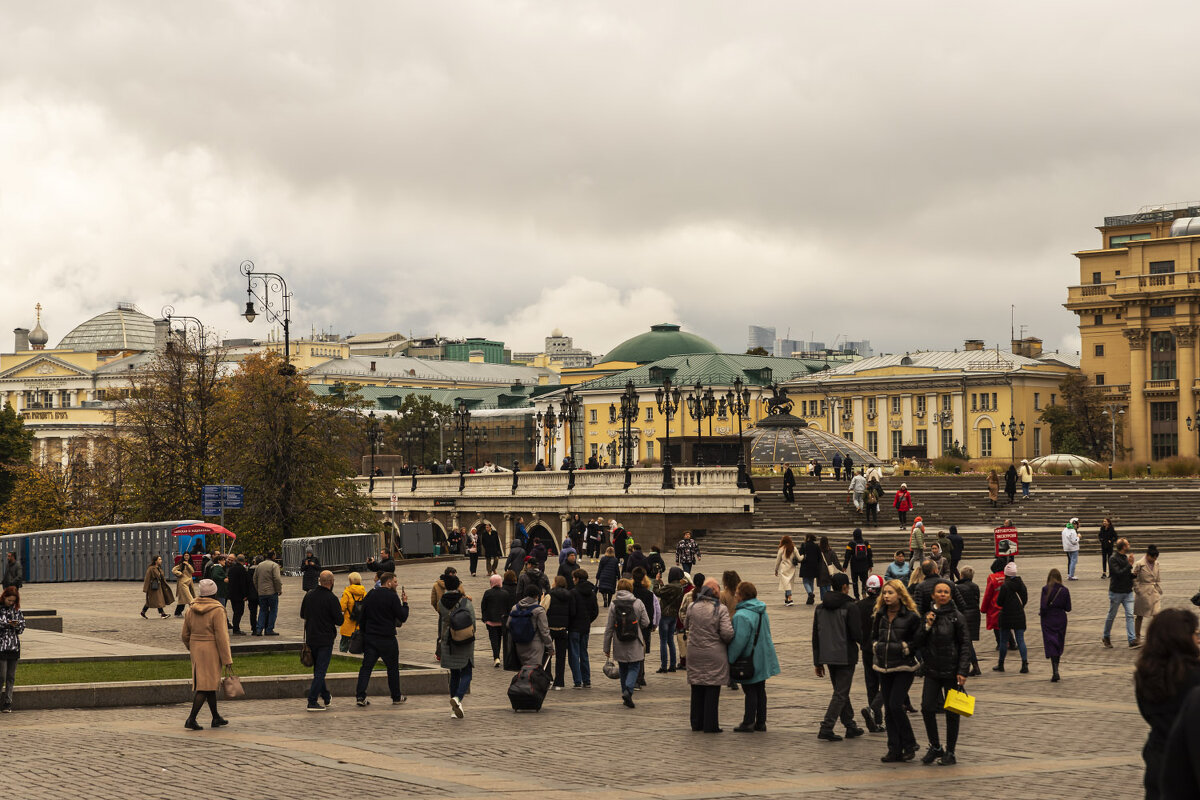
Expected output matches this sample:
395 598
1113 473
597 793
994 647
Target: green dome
662 340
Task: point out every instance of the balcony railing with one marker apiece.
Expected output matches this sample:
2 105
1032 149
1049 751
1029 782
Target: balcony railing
1167 281
1162 386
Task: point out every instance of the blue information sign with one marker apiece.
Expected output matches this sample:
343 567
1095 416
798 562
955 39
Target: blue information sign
217 498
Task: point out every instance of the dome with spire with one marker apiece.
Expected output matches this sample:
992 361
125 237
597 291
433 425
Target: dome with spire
38 336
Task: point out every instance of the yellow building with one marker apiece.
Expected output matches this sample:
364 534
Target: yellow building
1138 303
924 404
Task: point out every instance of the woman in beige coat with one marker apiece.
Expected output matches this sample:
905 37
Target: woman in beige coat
787 567
158 594
183 573
993 487
206 636
1147 591
710 630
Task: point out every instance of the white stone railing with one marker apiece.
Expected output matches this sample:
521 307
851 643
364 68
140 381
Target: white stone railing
688 480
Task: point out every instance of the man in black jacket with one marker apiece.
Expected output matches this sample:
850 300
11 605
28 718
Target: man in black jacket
837 630
922 593
493 549
858 560
584 611
789 484
1120 592
957 545
239 589
322 614
385 563
382 611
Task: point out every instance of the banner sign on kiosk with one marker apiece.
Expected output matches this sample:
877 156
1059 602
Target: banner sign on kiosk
1006 541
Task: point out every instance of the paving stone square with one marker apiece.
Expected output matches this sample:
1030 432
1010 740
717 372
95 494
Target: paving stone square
1030 738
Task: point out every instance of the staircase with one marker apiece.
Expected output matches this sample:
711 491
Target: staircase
1165 512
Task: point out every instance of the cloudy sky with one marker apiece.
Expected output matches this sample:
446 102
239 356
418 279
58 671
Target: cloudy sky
899 172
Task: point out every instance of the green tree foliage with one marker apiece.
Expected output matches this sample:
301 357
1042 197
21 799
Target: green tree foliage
169 431
39 501
415 429
16 445
757 351
287 447
1078 424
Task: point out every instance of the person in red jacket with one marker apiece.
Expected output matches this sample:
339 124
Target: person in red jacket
903 504
988 605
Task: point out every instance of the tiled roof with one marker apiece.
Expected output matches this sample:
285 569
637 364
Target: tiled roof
956 361
407 367
709 369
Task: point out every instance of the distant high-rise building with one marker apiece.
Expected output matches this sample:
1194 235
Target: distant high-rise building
761 336
862 348
783 348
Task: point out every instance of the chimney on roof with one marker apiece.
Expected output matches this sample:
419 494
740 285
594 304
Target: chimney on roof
973 344
1030 347
162 331
21 337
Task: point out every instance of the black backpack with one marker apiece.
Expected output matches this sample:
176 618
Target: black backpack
356 611
521 625
860 552
460 625
625 621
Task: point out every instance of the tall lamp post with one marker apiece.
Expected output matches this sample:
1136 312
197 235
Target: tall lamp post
373 437
548 422
1014 430
628 415
168 313
738 402
478 435
462 421
1112 411
695 410
568 413
270 282
535 438
666 398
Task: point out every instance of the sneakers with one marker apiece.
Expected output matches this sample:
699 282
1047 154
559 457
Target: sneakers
932 755
828 736
909 753
497 664
558 688
872 726
362 702
744 728
587 686
314 707
1136 643
456 707
948 760
327 699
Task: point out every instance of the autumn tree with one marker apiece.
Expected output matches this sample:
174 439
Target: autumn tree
287 447
16 446
168 430
1079 423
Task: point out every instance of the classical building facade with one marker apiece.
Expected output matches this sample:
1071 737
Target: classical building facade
1138 303
925 404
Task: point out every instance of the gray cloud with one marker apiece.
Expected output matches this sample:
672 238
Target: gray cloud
901 173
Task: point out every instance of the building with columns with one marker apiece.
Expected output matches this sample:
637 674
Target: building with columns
1138 303
924 404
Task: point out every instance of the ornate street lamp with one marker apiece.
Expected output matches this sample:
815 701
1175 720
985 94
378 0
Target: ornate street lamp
462 421
1014 430
628 415
1112 411
373 437
270 282
667 399
535 438
168 313
568 413
695 409
737 402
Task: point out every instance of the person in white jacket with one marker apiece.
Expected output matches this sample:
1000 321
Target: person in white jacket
1070 543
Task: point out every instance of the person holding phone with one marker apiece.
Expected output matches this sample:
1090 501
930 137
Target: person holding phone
382 611
12 625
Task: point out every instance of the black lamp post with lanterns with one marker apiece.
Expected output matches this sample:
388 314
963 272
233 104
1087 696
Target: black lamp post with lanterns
568 414
374 435
737 401
666 398
627 414
1013 430
462 422
270 282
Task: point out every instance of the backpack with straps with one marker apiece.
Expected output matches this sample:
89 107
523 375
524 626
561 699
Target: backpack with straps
460 625
860 551
625 621
520 624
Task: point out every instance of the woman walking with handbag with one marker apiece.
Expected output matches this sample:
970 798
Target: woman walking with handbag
1011 600
946 646
893 656
206 636
1147 590
827 565
158 594
810 565
787 563
1056 604
472 541
183 573
12 625
752 656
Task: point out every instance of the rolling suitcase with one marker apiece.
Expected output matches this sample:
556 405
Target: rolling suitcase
528 689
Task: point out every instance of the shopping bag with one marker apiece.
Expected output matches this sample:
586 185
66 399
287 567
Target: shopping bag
231 686
611 670
960 703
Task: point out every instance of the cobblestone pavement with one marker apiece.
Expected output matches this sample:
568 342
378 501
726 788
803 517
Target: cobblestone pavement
1029 739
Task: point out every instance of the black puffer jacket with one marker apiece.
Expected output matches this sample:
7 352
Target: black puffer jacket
946 646
495 604
970 594
893 642
922 595
584 608
1012 598
558 614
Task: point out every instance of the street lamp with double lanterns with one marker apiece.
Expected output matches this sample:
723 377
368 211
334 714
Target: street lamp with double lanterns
462 421
627 414
270 282
1112 411
568 413
1012 431
666 398
478 435
374 435
737 401
696 408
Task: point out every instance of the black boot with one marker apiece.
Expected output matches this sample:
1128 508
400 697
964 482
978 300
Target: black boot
809 602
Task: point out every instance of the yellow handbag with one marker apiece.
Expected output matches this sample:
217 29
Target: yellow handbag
961 703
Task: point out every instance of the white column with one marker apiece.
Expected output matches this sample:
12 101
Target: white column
935 432
860 436
959 404
881 425
906 414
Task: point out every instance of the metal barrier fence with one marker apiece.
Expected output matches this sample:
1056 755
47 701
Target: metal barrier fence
99 553
349 550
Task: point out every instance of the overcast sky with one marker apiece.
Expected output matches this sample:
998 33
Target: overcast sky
899 172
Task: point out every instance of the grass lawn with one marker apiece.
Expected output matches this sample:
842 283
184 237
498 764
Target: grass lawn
110 671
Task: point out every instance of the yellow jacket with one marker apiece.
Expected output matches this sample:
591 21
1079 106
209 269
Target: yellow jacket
350 594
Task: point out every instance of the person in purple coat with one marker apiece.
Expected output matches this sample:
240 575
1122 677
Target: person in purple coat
1056 604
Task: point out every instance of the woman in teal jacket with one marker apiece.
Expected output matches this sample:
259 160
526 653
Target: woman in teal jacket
752 637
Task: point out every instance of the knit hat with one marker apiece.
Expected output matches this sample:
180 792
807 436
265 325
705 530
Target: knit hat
452 583
874 582
208 588
1010 569
1074 523
495 580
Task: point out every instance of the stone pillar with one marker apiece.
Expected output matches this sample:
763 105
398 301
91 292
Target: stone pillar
881 427
1185 353
907 407
509 529
860 424
564 526
1138 441
935 431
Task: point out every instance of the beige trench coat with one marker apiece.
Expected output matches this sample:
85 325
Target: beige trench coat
183 583
785 569
206 636
162 596
1147 591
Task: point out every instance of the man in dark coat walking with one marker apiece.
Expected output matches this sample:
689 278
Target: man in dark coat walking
239 590
837 630
493 548
322 614
789 484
